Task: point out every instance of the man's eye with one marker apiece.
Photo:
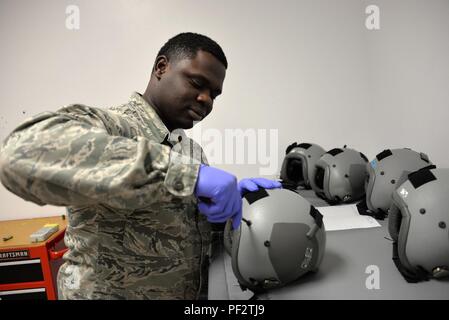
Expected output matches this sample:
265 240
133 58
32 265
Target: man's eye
196 84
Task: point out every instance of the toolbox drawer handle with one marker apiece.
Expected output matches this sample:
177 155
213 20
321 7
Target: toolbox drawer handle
54 255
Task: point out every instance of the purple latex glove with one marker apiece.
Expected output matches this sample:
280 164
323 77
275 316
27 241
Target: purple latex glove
218 196
253 184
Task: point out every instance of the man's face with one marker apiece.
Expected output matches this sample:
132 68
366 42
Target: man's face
187 89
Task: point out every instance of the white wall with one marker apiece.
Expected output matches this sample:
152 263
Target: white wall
310 69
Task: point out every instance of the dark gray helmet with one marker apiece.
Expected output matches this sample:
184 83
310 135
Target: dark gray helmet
384 173
298 167
419 225
340 175
281 238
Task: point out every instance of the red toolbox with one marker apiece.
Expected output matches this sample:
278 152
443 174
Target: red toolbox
28 270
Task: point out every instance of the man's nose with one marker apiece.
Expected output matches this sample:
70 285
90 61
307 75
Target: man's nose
205 99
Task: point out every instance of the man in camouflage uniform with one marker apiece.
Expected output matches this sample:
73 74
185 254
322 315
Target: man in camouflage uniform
134 229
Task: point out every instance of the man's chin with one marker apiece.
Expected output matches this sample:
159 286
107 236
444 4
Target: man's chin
185 125
189 124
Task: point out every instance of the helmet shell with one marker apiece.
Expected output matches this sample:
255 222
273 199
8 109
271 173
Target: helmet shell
419 222
340 175
285 239
298 167
385 172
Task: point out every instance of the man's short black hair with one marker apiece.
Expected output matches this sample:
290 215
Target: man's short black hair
186 45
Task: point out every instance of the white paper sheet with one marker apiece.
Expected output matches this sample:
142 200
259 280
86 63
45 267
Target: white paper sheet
345 217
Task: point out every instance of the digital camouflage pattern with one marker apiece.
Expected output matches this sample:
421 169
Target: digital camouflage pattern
134 231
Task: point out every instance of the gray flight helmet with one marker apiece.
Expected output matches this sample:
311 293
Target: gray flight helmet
281 238
384 173
298 167
340 175
419 224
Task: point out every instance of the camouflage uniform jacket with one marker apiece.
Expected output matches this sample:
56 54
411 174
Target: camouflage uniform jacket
134 230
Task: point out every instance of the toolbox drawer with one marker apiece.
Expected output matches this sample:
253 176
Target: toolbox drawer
21 271
24 294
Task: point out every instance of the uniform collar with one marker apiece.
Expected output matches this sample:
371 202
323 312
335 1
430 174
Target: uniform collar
158 128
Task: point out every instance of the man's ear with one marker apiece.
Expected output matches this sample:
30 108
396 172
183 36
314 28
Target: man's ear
161 66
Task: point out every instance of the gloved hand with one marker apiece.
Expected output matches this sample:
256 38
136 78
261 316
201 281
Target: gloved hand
253 184
218 196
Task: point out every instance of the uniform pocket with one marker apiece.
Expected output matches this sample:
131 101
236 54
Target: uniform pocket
156 234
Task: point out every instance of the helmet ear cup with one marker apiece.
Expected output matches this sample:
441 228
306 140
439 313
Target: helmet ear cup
235 261
227 237
394 222
319 177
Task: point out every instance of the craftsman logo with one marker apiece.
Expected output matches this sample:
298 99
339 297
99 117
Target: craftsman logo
13 255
